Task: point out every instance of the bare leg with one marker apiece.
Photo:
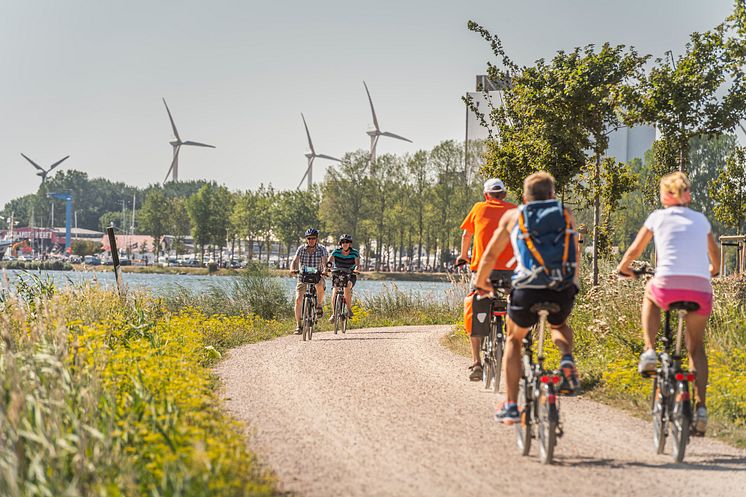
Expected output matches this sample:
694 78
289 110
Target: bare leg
476 345
320 293
298 301
348 294
695 332
651 321
512 359
562 337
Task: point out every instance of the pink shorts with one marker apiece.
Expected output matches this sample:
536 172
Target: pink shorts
665 290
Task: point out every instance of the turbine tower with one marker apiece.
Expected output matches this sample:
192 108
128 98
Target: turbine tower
177 144
375 132
44 172
311 155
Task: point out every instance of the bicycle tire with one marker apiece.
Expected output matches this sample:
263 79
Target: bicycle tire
547 420
307 322
659 419
497 354
523 428
343 315
680 428
336 314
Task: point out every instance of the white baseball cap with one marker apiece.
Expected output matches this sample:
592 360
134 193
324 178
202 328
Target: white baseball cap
494 185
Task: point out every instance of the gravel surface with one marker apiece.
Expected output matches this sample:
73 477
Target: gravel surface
391 412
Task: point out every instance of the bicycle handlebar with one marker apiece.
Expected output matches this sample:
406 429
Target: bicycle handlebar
636 273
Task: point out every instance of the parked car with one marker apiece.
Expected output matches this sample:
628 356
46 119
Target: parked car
91 260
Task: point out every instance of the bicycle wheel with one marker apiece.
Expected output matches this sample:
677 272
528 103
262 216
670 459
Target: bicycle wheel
337 314
547 425
659 418
523 429
680 427
497 355
308 311
343 316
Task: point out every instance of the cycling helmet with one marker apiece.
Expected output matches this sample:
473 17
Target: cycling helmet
311 232
345 238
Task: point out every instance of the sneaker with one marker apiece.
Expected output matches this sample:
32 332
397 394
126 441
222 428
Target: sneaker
648 363
319 312
298 329
509 414
700 420
350 314
476 372
570 384
331 318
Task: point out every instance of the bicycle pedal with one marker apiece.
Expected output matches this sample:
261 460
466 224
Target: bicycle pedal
649 374
559 430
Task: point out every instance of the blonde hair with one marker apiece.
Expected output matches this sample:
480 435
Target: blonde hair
538 186
675 184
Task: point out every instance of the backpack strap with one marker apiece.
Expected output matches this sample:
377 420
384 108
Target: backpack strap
568 232
530 243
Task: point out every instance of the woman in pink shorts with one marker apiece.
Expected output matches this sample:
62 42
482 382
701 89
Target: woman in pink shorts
687 256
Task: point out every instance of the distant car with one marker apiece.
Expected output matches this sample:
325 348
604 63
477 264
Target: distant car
91 260
75 259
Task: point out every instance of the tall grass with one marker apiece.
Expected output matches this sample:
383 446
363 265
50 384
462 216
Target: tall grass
104 396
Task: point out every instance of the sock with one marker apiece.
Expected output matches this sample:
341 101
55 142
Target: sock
508 405
568 357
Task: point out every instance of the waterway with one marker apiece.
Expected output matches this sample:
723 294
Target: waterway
160 284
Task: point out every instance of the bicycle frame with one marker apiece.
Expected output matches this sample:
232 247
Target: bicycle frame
493 344
308 310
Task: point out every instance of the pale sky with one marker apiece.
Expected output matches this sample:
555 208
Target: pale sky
85 78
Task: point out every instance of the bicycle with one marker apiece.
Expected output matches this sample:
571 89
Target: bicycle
493 345
538 402
310 276
671 404
340 278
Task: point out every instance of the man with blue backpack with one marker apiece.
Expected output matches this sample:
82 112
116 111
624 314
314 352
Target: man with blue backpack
545 244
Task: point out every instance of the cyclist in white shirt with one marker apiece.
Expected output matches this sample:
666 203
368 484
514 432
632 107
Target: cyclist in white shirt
687 256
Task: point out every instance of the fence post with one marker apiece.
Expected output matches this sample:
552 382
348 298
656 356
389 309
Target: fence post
115 258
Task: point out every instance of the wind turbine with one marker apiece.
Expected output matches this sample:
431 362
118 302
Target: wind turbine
176 144
375 132
44 172
311 155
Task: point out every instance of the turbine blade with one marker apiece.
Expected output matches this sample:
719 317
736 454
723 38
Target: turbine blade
197 144
170 118
303 178
329 157
372 110
392 135
58 163
173 162
308 135
37 166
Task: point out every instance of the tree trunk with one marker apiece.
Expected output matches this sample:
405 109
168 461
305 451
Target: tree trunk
596 217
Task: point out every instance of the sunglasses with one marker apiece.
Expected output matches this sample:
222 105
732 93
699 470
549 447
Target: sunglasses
311 238
346 241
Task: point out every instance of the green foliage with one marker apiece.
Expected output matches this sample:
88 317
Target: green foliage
209 210
702 92
728 191
85 247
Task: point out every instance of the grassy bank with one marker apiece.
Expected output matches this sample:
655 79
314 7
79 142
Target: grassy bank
102 395
608 342
51 265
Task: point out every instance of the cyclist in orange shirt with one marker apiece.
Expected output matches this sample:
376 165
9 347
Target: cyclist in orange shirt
479 225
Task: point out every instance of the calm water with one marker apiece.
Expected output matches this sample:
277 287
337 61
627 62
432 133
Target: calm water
163 283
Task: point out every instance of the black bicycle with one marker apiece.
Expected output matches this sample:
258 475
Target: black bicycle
340 278
538 402
493 345
310 276
671 400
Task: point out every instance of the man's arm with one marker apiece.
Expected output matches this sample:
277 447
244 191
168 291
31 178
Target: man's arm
296 260
466 237
498 242
714 253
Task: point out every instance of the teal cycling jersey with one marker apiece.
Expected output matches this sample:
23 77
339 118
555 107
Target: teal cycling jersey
345 261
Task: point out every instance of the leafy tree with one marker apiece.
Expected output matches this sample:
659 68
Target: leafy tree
343 206
419 181
294 211
702 92
155 216
728 191
179 224
208 213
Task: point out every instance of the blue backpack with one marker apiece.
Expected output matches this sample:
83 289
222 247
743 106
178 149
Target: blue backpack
546 246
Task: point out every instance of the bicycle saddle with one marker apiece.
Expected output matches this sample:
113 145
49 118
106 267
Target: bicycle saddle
550 307
684 306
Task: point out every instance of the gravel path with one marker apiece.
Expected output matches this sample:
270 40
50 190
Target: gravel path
391 412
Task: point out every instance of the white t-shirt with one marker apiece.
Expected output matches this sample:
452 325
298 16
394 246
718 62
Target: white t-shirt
680 236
